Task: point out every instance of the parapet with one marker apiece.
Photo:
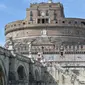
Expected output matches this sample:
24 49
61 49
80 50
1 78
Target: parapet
67 22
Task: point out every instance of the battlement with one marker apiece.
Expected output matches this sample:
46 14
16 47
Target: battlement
35 5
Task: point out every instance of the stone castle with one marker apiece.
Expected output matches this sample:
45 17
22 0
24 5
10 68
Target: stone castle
45 48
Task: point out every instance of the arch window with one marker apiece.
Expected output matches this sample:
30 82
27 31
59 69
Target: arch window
43 21
21 73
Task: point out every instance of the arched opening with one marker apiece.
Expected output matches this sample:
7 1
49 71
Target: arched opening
1 76
21 73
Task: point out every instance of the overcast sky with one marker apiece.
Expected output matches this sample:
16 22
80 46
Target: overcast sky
12 10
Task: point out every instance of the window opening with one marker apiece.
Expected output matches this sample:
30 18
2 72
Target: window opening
63 21
83 23
43 21
38 20
61 53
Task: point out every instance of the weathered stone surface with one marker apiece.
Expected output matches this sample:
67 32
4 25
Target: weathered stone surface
45 48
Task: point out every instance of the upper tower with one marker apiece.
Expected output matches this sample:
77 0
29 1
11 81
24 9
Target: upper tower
42 13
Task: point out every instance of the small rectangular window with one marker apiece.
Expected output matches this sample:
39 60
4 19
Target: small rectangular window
38 20
61 53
